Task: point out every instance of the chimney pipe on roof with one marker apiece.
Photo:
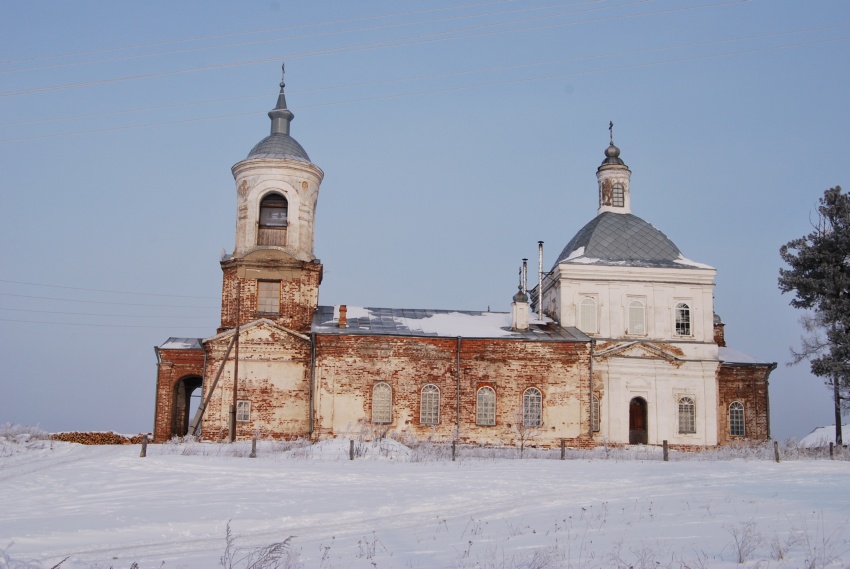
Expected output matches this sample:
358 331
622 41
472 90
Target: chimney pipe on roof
540 280
343 316
525 276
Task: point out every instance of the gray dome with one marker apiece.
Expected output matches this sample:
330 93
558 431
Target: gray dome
279 145
621 239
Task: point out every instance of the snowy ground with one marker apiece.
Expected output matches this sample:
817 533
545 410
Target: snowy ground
104 506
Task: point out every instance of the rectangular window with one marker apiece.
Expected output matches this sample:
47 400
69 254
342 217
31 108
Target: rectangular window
683 319
268 296
243 411
637 318
594 414
687 416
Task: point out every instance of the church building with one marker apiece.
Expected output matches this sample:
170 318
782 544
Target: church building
617 344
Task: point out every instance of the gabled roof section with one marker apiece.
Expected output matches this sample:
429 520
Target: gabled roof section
254 324
640 349
437 323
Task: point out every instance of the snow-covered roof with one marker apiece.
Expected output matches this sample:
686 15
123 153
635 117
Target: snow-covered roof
439 323
733 356
182 344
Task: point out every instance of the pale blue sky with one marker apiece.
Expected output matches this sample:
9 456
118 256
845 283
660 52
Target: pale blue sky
452 140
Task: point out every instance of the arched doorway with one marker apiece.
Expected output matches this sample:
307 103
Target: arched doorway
637 422
183 390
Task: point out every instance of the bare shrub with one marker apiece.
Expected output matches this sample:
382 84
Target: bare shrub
745 539
278 555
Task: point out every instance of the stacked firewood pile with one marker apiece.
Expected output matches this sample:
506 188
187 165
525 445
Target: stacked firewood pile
98 438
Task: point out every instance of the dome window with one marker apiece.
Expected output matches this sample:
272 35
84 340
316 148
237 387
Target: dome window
273 221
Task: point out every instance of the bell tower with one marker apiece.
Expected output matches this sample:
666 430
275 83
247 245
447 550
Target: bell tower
613 177
272 272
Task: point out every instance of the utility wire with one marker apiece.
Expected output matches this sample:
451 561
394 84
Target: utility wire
103 325
104 301
447 89
109 315
318 34
381 44
347 86
103 290
237 34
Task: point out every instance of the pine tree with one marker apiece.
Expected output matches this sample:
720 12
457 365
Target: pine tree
819 277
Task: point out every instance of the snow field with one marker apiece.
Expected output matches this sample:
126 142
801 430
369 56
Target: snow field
400 507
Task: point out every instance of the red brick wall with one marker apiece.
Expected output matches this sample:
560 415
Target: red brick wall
299 293
749 385
174 366
348 367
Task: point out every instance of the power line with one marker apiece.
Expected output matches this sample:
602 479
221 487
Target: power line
410 40
104 290
347 86
104 301
108 315
445 90
314 35
101 325
237 34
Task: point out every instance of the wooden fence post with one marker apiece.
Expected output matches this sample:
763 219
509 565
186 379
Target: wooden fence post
351 449
454 450
253 448
666 451
776 450
563 449
831 449
144 452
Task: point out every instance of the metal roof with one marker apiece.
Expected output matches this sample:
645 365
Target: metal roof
279 145
437 323
182 344
621 239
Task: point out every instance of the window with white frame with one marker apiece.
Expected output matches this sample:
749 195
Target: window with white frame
736 419
587 315
382 403
618 195
243 411
485 409
429 405
683 319
268 296
594 414
532 407
637 318
687 416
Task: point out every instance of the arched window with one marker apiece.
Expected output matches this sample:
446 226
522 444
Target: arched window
532 407
429 405
687 416
587 315
594 414
637 318
486 407
618 195
736 419
382 403
273 220
683 319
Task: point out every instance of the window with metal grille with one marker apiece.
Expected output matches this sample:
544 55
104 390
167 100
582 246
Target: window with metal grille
268 296
594 414
683 319
532 407
736 419
637 318
587 315
243 411
618 196
429 405
687 416
486 407
382 403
